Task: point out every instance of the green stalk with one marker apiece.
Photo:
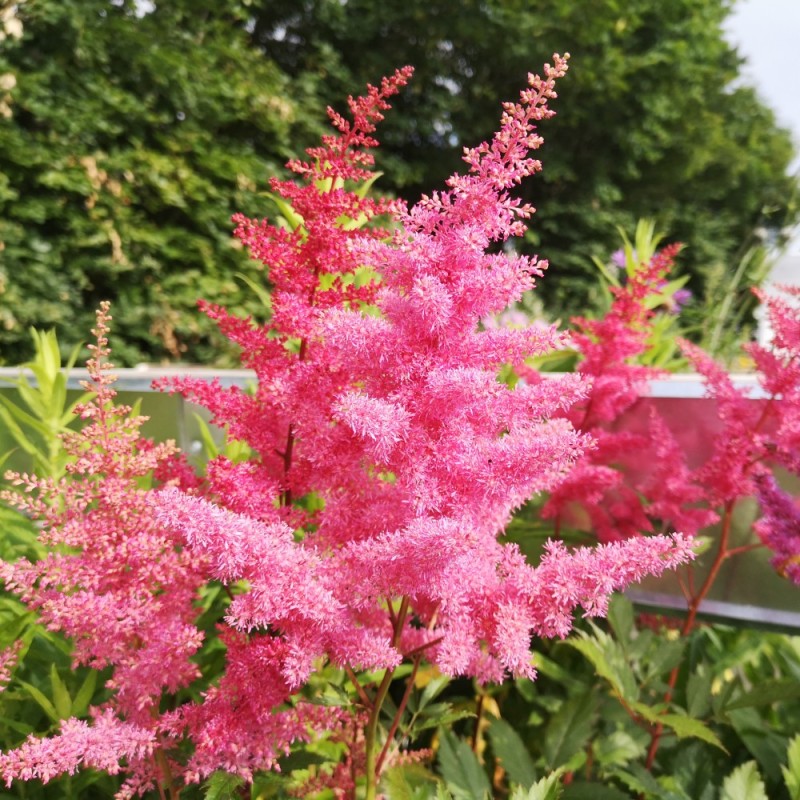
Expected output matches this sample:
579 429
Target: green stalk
371 734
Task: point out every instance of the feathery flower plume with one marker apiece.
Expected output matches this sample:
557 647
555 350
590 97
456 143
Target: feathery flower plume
114 581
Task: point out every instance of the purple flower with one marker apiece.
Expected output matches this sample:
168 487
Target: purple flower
681 298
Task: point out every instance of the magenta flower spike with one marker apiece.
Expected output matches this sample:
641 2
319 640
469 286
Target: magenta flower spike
366 528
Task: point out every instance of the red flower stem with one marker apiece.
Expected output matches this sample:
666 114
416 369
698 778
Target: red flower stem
423 647
688 625
359 688
398 715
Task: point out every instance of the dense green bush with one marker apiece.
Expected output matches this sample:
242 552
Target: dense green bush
128 143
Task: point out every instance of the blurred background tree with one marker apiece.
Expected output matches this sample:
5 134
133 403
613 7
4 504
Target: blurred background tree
131 137
653 121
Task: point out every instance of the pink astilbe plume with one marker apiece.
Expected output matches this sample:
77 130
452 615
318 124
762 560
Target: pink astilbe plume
387 460
779 527
758 435
755 434
415 454
114 582
608 490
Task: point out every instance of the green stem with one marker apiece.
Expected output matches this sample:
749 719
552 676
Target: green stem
371 734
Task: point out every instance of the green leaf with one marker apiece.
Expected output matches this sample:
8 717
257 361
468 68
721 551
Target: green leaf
548 788
744 783
511 753
620 616
617 749
592 791
33 399
222 786
461 769
767 693
569 729
293 219
61 697
408 782
608 660
210 446
259 291
436 715
640 781
681 725
20 437
16 725
791 772
363 188
766 746
42 700
85 693
698 693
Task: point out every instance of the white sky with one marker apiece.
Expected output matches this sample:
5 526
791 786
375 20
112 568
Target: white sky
767 34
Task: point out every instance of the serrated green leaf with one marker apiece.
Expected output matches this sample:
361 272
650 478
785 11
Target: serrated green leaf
408 782
222 786
791 772
744 783
548 788
511 753
569 729
442 793
639 780
424 722
666 656
592 791
461 769
698 693
680 724
617 749
608 660
767 746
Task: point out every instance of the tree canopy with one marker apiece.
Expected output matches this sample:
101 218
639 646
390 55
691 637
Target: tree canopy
653 120
128 139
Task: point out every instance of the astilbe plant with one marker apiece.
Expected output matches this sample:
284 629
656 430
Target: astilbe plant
387 460
613 492
607 490
415 454
113 581
759 438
